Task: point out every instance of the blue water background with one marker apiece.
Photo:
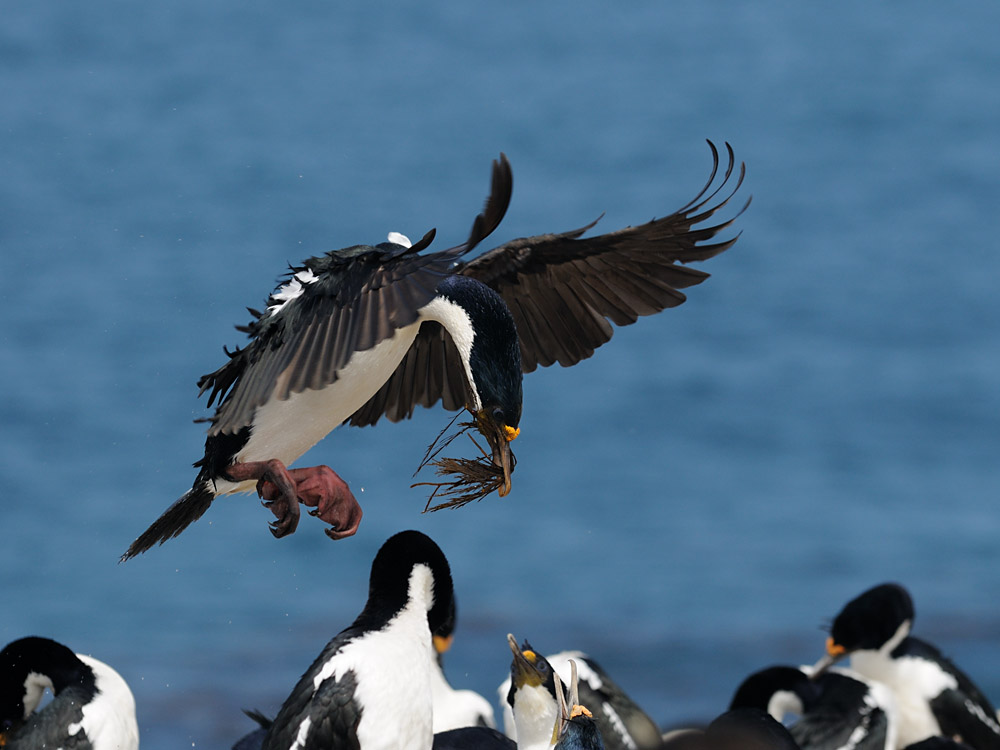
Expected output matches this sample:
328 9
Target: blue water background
691 504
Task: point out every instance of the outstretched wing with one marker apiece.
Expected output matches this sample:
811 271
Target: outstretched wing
563 289
333 306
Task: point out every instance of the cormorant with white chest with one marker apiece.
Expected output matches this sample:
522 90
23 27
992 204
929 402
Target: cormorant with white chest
933 696
366 332
370 688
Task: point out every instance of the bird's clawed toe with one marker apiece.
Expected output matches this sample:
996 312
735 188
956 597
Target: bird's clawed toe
320 488
316 487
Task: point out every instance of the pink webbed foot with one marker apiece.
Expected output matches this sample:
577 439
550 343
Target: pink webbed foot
320 487
282 499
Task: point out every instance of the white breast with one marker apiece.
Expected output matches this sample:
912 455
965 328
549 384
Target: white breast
392 667
913 682
109 719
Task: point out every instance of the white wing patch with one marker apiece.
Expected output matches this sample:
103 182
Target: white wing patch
399 239
619 725
976 710
292 289
109 719
303 733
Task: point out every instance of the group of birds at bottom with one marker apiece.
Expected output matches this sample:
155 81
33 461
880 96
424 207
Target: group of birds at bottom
379 684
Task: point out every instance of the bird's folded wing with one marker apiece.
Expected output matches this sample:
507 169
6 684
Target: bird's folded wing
968 716
563 289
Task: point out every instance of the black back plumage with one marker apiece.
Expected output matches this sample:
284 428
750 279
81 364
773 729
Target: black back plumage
615 711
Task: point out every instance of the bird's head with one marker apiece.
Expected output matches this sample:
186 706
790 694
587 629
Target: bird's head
878 619
528 669
532 696
408 569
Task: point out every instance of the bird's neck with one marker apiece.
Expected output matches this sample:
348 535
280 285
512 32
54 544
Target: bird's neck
482 328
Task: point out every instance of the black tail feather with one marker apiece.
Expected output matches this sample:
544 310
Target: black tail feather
188 509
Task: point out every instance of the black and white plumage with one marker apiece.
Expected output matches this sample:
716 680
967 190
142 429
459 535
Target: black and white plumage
370 687
624 725
366 332
836 710
532 698
92 706
933 696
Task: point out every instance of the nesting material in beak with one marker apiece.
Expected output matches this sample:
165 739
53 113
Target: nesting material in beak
474 478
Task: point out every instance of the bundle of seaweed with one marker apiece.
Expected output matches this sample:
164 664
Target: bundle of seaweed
473 478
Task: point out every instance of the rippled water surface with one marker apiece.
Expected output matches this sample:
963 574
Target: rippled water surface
691 504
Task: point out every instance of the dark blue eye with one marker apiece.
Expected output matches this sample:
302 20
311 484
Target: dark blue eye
498 416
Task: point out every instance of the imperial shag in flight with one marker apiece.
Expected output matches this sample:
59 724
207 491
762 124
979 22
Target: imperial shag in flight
366 332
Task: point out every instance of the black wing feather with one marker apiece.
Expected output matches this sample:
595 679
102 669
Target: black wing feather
563 289
617 276
331 709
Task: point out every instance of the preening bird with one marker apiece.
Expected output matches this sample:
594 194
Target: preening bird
92 706
370 687
372 331
835 710
934 697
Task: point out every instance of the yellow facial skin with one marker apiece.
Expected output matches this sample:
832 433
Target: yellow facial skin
442 644
834 649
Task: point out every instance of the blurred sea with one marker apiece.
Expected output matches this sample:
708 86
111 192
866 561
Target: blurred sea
690 505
